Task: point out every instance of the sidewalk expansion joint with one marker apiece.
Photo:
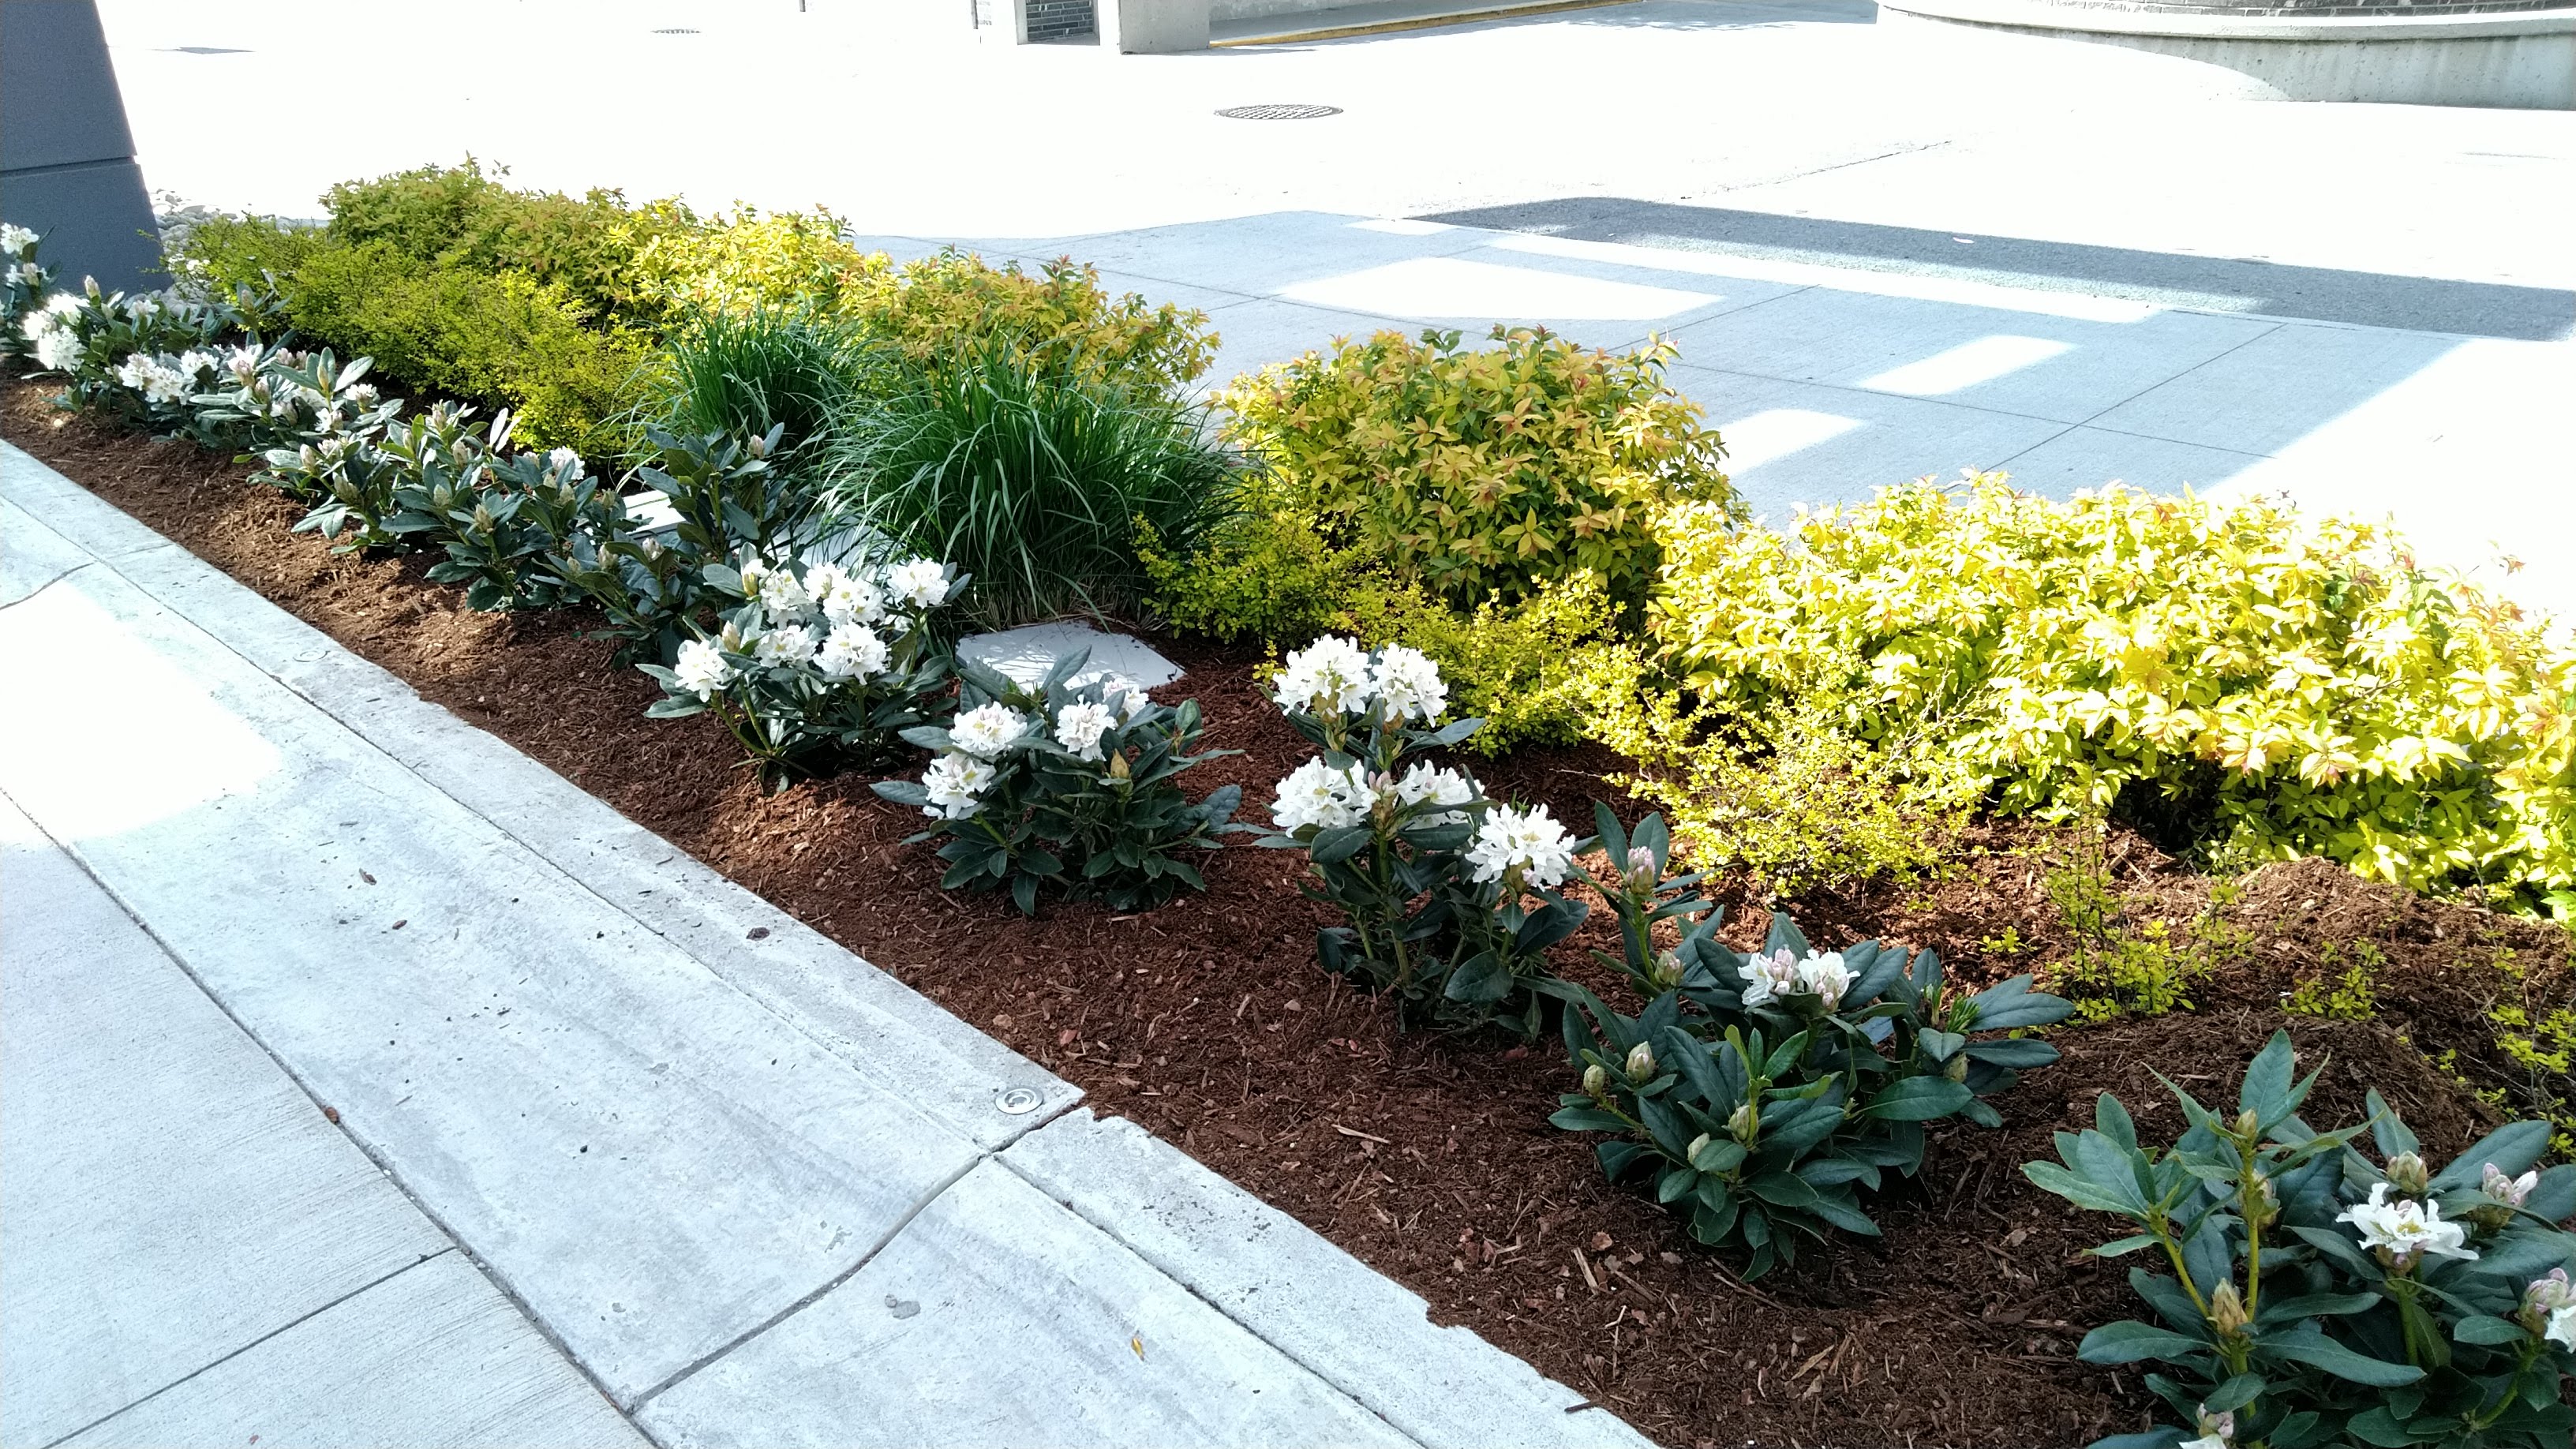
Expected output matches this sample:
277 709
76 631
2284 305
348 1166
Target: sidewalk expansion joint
47 584
636 1405
456 1242
222 1359
1220 1310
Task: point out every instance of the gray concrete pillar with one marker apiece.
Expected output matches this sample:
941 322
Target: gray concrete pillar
66 158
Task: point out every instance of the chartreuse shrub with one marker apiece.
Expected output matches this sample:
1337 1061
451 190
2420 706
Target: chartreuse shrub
1449 899
2311 1296
1071 783
1796 1079
1530 669
2262 683
1035 480
457 217
1483 473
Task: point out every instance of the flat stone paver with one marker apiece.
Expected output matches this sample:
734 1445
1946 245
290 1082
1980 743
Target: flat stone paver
485 972
189 1240
1027 653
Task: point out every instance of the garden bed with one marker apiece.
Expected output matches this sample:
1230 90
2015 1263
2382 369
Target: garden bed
1431 1157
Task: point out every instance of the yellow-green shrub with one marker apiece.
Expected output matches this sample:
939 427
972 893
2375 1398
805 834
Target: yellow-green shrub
457 217
1532 670
2290 685
1484 472
500 339
748 262
944 306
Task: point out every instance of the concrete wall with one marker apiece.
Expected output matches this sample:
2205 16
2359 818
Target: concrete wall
66 158
2445 55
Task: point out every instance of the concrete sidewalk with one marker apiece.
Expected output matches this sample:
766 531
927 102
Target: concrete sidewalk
193 1252
754 1190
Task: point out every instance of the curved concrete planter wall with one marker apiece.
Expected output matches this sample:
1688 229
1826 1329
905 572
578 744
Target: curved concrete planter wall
2432 55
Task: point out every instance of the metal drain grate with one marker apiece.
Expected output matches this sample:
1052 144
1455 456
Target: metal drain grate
1279 113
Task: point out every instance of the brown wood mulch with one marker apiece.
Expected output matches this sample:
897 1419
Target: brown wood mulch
1430 1157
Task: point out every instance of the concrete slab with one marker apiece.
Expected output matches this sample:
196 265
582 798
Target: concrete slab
1472 295
1361 1331
167 1195
431 1356
2280 387
1027 653
879 1026
654 1161
1253 255
998 1317
1255 334
1791 442
2061 368
2091 457
31 557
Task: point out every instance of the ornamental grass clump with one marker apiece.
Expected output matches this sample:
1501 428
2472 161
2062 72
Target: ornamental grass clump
812 664
1483 474
2237 677
1035 478
2315 1297
1450 897
1761 1093
1068 784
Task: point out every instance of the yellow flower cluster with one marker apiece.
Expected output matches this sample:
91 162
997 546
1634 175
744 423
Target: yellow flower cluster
2299 684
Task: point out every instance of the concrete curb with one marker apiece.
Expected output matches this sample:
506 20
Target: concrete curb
1346 1334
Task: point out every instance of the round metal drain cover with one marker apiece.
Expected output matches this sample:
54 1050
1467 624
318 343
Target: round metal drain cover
1279 113
1017 1101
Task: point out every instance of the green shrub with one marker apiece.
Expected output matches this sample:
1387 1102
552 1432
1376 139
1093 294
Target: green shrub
2317 1298
1036 482
460 218
1530 670
1487 472
2259 682
501 339
953 306
745 262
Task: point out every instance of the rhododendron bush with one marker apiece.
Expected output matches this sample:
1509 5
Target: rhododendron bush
2311 1296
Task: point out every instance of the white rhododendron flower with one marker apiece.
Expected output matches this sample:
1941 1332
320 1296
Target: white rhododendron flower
702 668
956 784
57 350
918 582
987 729
1078 727
845 597
1446 787
1768 975
2509 1191
1528 841
784 644
783 594
1317 794
243 363
2549 1308
1406 682
566 464
194 361
155 378
16 240
1771 975
1328 676
851 651
2406 1229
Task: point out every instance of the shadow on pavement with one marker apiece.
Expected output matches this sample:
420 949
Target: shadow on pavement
2263 289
